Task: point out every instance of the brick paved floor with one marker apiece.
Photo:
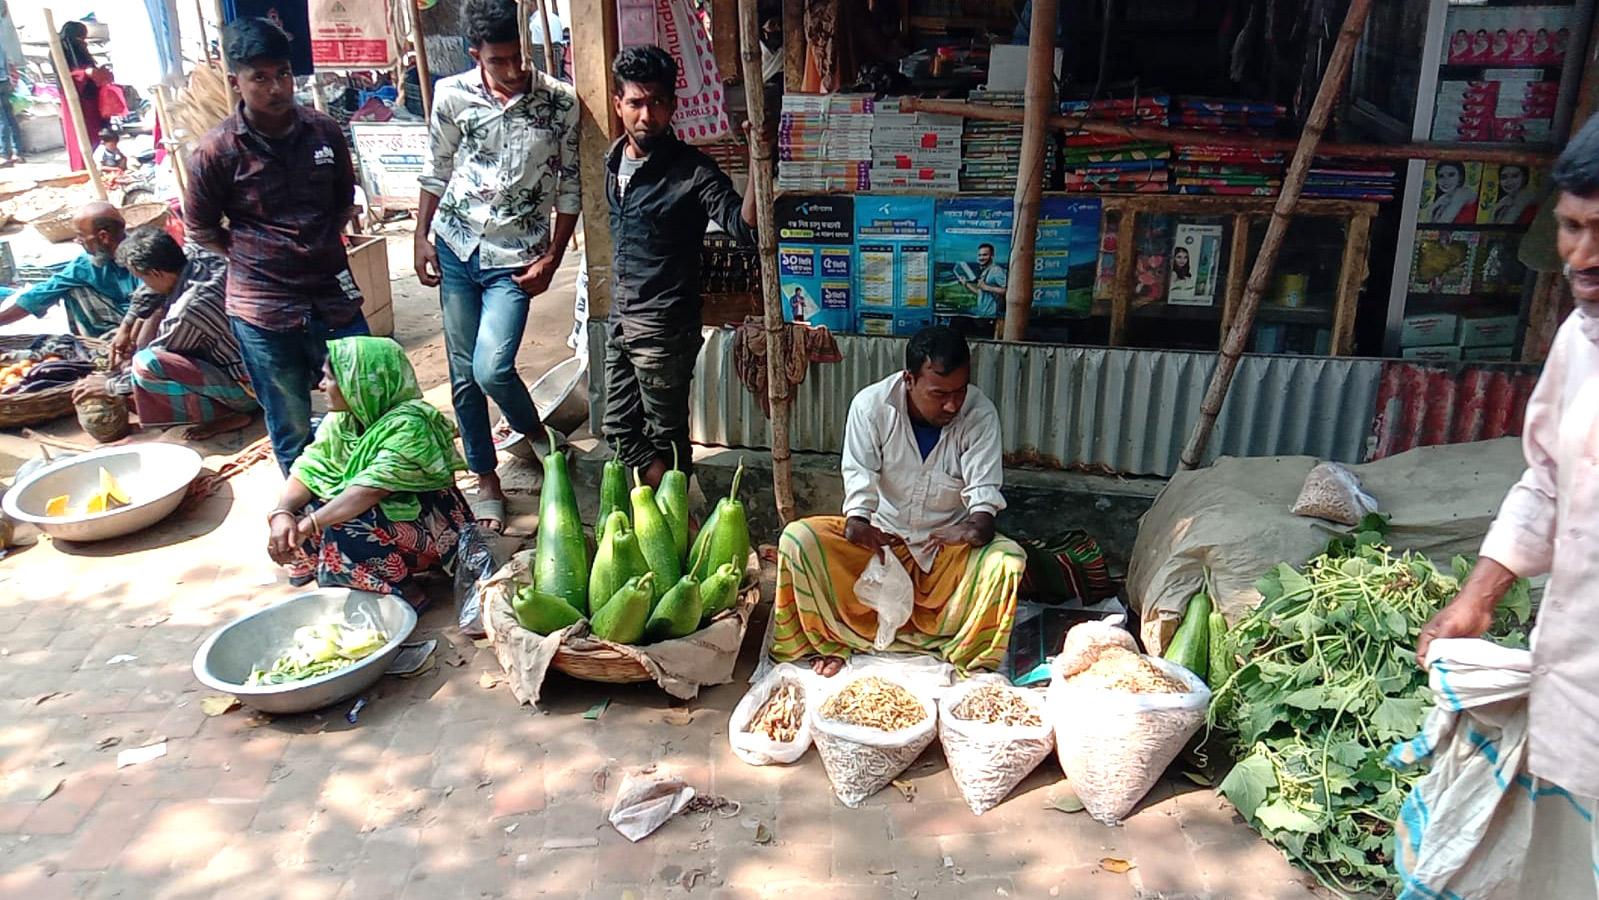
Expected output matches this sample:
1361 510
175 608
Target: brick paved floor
446 788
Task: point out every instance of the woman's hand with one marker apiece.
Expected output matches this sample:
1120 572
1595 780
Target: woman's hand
283 537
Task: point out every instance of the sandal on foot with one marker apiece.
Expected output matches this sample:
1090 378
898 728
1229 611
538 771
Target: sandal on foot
491 512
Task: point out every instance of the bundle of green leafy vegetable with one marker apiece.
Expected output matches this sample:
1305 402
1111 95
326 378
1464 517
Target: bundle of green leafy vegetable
1327 683
320 649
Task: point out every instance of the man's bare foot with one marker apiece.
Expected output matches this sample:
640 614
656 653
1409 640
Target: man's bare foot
208 430
827 666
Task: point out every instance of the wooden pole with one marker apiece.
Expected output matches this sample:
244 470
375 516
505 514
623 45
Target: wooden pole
1039 104
205 38
549 44
424 75
1332 81
524 24
593 24
222 61
174 147
1456 152
777 386
69 93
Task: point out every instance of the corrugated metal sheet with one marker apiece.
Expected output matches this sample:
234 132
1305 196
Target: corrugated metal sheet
1421 406
1127 410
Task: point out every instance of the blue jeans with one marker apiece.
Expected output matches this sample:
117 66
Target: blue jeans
284 367
485 313
10 131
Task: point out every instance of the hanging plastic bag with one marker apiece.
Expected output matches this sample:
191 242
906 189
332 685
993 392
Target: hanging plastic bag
759 748
860 761
886 587
474 562
988 759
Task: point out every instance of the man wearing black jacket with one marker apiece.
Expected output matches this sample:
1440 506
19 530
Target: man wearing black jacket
662 193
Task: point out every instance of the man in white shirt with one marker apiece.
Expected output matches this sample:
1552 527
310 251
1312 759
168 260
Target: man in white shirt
922 476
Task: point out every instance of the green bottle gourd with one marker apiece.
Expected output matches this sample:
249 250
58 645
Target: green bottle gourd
678 614
618 560
655 538
1190 646
729 542
613 490
672 499
702 542
1222 662
622 618
720 591
542 613
561 560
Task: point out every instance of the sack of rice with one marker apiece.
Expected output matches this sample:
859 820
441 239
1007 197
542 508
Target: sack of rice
993 735
868 730
769 726
1119 723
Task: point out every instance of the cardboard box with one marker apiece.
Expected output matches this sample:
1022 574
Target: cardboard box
1431 330
369 265
1506 353
1489 331
1444 353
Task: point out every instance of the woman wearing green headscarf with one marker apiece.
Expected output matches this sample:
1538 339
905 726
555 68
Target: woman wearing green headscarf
372 500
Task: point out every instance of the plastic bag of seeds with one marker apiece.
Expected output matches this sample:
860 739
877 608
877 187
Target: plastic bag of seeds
770 725
868 729
1332 492
993 735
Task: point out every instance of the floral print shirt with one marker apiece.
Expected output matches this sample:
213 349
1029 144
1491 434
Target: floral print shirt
498 167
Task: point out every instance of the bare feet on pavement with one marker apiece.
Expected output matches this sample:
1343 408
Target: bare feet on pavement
826 666
208 430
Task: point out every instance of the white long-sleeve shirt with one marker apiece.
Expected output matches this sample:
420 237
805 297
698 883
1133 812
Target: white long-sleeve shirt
887 481
1549 522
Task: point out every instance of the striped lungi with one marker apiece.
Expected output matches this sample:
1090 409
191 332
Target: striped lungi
171 389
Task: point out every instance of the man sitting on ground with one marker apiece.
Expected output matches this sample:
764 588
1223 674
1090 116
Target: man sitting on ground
178 358
922 476
93 287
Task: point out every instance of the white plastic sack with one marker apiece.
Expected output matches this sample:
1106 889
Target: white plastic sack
755 748
1075 655
1477 825
886 588
989 760
862 761
1114 745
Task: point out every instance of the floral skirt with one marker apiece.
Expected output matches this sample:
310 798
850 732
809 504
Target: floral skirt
374 553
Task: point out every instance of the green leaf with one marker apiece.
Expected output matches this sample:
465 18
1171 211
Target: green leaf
1248 783
1307 698
1280 815
1398 718
1347 753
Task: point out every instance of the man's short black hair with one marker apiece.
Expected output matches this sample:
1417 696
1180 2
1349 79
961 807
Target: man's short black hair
247 40
491 22
109 133
1577 169
644 65
989 246
940 345
150 249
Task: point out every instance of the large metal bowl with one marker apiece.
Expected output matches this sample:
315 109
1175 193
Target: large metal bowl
155 475
226 658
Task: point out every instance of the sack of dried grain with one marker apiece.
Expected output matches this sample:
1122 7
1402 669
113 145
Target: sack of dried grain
769 726
868 729
1334 493
1119 724
993 735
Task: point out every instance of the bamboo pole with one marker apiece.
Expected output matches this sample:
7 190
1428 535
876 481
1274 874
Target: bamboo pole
424 74
777 386
524 25
1332 82
222 49
1039 103
549 44
1456 152
69 93
205 39
174 148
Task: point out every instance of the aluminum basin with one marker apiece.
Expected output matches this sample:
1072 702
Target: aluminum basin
156 477
226 658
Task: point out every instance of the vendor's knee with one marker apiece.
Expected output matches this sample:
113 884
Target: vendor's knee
144 365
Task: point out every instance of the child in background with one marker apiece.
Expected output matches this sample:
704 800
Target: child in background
107 156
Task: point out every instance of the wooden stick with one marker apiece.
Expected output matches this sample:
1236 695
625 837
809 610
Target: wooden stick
1456 152
69 93
205 39
1332 81
549 45
424 75
777 386
524 24
180 169
1039 100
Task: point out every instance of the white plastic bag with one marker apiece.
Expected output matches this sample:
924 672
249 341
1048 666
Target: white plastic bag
1083 639
861 761
1114 745
886 587
989 760
1332 492
755 748
645 800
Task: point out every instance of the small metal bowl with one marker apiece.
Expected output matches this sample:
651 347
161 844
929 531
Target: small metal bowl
224 661
155 475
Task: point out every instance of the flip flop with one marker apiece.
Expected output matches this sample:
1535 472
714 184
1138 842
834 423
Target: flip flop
491 511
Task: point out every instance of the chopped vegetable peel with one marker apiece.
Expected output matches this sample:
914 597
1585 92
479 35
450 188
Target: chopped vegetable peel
319 650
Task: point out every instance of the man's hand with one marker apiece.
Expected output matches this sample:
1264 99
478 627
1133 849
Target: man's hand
535 279
91 386
122 344
427 262
862 533
1472 610
976 531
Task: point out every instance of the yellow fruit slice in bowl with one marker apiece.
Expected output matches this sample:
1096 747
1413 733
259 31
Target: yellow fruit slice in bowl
111 489
96 504
57 506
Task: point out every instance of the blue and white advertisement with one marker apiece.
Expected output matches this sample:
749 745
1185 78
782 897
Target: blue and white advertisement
1064 262
971 256
815 260
893 263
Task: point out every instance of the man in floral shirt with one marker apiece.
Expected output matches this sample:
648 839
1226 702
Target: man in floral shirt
504 151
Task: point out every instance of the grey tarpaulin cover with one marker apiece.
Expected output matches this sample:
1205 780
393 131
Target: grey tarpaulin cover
1234 518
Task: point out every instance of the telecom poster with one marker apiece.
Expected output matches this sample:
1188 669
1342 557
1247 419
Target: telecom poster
1065 256
893 263
971 256
815 265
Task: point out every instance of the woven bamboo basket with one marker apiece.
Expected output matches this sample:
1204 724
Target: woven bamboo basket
606 664
17 410
57 226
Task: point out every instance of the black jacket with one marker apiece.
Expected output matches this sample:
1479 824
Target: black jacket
657 231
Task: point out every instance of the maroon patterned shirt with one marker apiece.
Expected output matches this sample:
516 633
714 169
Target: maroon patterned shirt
286 201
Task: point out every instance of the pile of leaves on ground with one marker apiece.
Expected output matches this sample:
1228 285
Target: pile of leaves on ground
1327 683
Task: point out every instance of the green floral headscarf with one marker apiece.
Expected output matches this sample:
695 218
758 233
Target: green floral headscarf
390 438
